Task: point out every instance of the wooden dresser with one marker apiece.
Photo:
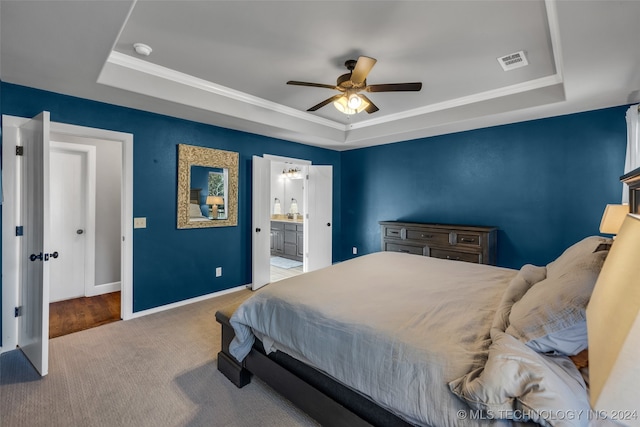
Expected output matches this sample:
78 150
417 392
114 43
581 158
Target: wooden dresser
456 242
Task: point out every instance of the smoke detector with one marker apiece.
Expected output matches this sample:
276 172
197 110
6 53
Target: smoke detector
142 49
513 61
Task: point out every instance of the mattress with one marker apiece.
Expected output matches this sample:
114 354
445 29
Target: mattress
396 328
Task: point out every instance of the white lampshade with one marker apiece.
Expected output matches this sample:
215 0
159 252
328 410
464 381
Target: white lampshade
612 218
613 323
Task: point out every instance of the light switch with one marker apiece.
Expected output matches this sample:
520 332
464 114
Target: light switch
140 222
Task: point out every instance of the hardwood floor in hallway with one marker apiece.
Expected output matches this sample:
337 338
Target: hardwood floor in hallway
66 317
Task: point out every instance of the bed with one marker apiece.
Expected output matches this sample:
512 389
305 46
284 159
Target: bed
397 339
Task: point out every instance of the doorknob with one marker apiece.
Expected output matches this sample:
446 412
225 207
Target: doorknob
328 224
79 231
34 257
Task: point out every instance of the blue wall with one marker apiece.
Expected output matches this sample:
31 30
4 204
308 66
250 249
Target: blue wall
171 265
544 183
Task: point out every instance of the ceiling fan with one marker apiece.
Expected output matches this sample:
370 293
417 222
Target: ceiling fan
351 101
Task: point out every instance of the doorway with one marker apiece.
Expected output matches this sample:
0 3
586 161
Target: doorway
12 264
306 231
85 205
287 195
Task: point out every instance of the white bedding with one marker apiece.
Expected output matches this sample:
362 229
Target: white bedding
395 327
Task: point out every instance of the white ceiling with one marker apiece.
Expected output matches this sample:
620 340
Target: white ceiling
226 62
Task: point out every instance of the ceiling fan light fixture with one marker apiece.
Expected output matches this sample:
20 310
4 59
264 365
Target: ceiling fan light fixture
344 103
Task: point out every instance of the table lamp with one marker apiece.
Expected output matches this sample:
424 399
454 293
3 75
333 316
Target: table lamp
613 324
612 218
214 201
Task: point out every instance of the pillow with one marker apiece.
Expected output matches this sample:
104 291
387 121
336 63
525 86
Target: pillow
519 384
551 316
194 211
575 253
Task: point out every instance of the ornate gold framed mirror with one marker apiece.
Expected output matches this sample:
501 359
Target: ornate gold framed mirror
207 187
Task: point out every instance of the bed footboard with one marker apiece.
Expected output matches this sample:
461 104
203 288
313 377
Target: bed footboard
227 364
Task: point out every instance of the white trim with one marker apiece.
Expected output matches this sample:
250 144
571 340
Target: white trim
90 210
188 301
126 139
148 68
462 101
554 34
275 158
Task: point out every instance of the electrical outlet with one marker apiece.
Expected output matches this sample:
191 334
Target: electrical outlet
354 250
218 271
140 222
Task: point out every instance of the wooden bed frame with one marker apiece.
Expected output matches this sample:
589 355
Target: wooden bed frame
322 398
327 401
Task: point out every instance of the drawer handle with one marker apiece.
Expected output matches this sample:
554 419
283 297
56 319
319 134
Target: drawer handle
427 236
395 233
464 239
453 258
403 251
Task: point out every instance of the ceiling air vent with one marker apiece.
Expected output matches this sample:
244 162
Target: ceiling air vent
513 61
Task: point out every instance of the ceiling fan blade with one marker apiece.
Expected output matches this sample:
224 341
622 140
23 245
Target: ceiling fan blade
295 83
395 87
325 102
361 71
371 108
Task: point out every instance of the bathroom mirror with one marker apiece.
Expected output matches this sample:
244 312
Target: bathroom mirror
207 187
287 183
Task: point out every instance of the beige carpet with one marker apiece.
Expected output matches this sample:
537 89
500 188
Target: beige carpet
157 370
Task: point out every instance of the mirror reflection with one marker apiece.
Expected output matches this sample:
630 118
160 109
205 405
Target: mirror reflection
287 191
207 187
207 192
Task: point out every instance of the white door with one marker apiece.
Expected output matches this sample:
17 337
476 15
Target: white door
260 222
72 195
318 226
33 330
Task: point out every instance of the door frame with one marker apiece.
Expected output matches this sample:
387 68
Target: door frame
89 158
305 203
11 243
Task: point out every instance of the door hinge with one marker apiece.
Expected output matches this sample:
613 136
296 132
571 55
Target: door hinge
19 230
19 150
17 311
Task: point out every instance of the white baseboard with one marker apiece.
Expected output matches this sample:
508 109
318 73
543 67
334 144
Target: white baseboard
105 288
187 301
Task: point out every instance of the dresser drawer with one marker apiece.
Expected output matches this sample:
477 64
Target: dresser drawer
394 247
468 239
453 255
393 232
428 236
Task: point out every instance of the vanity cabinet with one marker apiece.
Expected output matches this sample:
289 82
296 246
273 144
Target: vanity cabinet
455 242
287 240
277 238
